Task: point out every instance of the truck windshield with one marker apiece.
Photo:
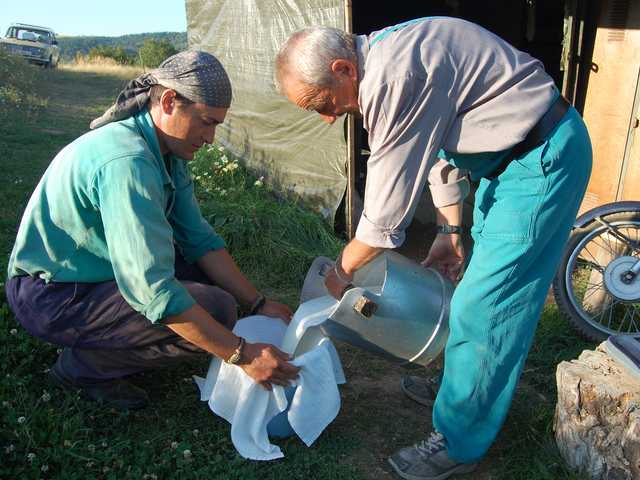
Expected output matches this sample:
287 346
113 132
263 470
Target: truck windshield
29 34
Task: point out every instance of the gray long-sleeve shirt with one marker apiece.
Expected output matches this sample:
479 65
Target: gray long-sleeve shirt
431 84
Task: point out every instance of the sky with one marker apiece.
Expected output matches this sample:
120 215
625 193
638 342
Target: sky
96 17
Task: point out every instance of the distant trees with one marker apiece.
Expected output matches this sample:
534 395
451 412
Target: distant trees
124 49
117 53
153 52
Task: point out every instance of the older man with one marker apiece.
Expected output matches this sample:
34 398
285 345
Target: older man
113 259
434 94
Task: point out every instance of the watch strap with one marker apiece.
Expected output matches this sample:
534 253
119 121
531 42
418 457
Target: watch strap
449 229
236 356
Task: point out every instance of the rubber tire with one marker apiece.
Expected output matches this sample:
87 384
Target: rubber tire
560 293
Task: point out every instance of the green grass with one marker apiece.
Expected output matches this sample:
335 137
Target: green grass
45 433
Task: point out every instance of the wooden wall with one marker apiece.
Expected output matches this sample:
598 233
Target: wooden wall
611 105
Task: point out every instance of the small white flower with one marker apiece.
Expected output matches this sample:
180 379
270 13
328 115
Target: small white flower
221 148
223 192
45 396
9 449
91 447
258 183
44 468
187 455
13 331
104 444
67 443
21 420
224 159
196 432
59 351
31 456
174 445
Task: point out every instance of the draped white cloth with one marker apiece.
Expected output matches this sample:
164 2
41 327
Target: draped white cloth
234 396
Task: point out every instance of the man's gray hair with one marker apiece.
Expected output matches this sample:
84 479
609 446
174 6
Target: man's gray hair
308 54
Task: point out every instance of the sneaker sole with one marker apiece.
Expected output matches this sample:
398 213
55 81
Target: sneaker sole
458 470
427 402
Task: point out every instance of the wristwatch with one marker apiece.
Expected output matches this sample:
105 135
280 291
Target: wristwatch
449 229
236 356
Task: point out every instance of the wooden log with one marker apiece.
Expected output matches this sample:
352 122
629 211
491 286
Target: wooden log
597 419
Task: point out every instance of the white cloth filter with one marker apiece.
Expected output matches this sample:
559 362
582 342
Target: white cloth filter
234 396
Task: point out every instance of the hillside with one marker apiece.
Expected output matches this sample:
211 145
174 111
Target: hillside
69 46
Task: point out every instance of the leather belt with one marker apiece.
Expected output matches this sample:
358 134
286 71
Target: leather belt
536 136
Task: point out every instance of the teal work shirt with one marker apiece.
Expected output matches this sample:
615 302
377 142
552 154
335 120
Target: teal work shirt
110 208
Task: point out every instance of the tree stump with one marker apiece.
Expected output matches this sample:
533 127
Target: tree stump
597 420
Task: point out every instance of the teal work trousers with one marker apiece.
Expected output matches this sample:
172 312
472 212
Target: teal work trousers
521 222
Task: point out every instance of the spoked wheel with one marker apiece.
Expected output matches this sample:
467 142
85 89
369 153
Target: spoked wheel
593 286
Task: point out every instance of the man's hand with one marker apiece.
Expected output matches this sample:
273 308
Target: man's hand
446 255
336 285
276 310
267 365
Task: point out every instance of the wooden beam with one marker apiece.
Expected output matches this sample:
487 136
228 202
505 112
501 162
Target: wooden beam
349 207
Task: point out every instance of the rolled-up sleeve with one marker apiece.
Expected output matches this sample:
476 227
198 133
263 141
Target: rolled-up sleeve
407 120
129 194
193 234
448 185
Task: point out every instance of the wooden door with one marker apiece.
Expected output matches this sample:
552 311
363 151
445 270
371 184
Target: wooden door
609 104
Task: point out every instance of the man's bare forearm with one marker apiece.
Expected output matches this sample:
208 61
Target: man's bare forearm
450 214
220 267
264 363
201 329
357 254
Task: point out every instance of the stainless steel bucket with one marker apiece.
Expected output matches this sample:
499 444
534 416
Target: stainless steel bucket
397 309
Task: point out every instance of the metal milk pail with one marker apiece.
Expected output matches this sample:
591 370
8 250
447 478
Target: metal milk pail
398 308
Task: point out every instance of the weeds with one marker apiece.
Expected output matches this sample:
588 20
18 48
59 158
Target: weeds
101 65
273 240
19 98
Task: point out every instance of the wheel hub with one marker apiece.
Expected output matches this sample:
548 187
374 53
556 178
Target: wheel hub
618 283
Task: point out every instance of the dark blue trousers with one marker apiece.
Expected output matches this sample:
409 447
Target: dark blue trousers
102 336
